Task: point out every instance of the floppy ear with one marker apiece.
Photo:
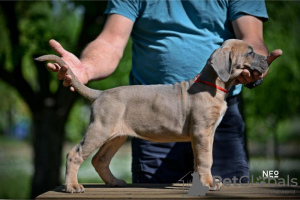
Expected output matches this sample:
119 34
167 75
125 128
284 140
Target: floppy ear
220 60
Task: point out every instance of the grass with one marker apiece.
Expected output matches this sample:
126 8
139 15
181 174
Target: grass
16 168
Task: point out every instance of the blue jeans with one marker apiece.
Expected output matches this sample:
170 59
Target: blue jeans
168 162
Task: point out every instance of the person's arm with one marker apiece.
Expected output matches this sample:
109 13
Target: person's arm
250 29
101 57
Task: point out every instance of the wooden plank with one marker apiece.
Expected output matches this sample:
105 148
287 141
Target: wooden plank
173 191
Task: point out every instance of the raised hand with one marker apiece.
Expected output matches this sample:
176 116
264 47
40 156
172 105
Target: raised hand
72 61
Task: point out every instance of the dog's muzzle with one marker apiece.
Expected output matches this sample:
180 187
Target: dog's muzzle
259 64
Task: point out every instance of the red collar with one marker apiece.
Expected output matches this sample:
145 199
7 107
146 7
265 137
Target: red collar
210 84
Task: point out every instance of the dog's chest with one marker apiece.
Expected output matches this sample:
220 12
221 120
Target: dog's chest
222 113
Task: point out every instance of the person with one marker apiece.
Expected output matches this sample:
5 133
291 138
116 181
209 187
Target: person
171 42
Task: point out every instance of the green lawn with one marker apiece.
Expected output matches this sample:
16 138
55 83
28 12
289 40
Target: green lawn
16 168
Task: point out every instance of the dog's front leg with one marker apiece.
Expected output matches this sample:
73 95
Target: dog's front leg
202 148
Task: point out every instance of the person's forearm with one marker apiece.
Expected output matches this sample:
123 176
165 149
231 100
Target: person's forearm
100 58
250 29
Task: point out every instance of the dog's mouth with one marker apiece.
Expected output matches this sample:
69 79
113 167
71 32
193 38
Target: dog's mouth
251 69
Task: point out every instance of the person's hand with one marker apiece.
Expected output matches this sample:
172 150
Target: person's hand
246 77
72 61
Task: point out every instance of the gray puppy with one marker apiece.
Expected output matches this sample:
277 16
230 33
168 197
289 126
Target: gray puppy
186 111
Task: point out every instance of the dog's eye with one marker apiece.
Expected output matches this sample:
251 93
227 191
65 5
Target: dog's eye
250 51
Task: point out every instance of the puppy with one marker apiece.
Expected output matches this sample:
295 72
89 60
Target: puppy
186 111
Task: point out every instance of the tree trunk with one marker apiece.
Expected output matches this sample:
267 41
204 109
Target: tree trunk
49 109
48 137
48 141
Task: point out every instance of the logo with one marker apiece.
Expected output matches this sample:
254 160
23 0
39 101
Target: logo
197 188
269 178
262 181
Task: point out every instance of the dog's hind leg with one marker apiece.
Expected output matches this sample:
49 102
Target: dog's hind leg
102 160
74 160
79 153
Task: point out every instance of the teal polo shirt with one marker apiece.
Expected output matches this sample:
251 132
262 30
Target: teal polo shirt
173 39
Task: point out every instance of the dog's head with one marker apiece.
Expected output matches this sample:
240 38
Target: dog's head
233 56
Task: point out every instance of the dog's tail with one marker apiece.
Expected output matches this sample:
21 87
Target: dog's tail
89 93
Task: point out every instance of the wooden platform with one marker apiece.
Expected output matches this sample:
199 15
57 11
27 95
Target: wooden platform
173 191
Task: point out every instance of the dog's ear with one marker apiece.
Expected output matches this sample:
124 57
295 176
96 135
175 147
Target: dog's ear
220 60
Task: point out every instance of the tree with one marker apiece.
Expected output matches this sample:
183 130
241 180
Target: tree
26 27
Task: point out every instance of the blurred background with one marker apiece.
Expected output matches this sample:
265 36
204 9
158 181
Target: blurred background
41 120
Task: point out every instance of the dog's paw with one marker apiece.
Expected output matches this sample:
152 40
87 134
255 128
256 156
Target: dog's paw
74 188
215 187
117 183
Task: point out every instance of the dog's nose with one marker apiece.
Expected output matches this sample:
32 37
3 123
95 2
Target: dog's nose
262 61
265 62
263 66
